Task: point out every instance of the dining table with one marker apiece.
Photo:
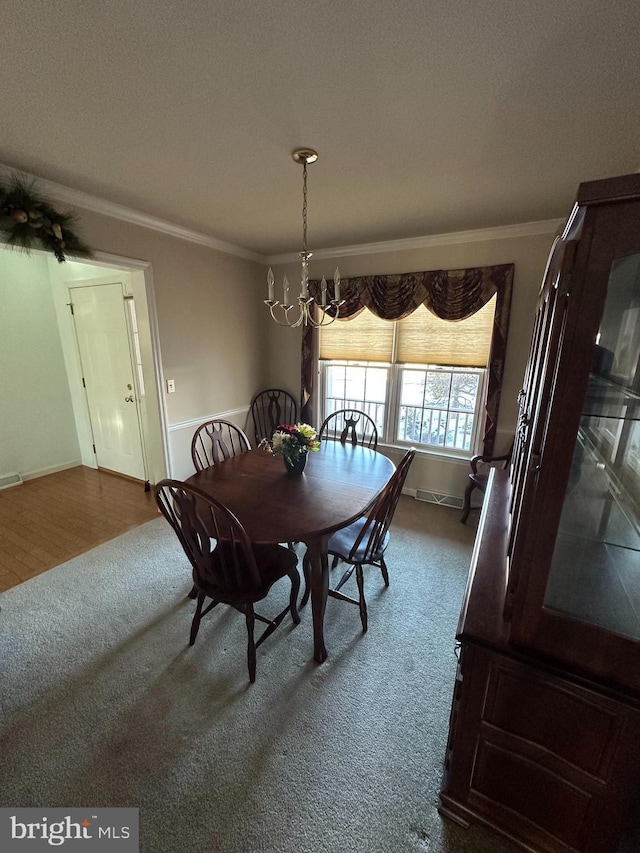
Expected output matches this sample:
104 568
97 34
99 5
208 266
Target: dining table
339 485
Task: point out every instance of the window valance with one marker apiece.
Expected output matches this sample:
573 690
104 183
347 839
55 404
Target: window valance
449 294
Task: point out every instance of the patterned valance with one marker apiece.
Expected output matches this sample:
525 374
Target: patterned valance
449 294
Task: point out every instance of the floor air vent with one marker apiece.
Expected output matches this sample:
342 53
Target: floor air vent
8 480
437 498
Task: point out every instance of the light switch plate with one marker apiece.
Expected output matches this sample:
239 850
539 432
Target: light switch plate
171 386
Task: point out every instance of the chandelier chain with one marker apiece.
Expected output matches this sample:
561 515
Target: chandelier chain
329 305
304 207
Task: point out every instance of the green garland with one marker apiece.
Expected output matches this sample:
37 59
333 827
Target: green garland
30 222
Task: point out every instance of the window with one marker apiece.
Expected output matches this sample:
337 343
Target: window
421 379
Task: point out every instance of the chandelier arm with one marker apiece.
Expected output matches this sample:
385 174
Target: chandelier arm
285 309
316 324
326 319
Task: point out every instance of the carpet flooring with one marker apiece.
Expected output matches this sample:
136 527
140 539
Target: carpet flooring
102 702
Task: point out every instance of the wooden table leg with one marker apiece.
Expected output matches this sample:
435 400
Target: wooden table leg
317 554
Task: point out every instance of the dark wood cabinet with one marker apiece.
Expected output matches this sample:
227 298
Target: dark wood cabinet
544 741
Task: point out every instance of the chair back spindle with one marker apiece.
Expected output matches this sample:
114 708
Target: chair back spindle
217 440
350 426
269 409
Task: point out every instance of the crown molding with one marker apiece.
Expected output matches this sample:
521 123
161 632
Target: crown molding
67 195
501 232
86 201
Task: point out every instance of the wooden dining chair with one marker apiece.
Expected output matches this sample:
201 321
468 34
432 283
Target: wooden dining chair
350 426
227 567
479 477
269 409
217 440
364 542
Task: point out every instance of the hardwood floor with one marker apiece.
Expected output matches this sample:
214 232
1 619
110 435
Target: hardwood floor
51 519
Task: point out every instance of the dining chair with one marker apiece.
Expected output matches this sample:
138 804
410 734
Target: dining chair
343 426
364 542
350 425
269 409
217 440
227 567
479 477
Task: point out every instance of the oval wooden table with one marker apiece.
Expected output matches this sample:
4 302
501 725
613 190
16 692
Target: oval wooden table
339 484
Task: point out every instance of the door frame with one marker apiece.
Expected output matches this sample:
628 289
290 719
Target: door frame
138 279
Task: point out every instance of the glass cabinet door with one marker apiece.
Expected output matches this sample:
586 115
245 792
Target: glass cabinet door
595 568
533 399
574 588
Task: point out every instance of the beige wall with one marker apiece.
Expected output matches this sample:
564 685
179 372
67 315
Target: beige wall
529 254
213 335
219 346
213 341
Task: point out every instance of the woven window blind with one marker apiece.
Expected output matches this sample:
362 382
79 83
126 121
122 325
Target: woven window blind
364 338
423 338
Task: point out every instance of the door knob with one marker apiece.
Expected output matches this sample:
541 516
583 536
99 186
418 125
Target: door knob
128 399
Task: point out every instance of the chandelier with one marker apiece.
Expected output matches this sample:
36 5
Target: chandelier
304 315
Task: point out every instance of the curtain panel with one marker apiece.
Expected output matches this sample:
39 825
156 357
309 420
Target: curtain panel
451 295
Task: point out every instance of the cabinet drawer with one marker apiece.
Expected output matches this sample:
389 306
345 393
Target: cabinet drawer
569 722
551 806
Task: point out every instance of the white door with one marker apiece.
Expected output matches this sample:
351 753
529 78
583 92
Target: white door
99 313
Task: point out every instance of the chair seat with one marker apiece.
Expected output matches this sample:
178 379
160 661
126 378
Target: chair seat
273 561
479 480
363 542
342 542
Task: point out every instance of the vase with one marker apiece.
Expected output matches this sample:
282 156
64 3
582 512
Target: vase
296 465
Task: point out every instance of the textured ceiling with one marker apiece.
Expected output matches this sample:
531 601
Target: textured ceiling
429 116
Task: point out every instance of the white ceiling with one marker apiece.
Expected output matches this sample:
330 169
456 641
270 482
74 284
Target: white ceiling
430 116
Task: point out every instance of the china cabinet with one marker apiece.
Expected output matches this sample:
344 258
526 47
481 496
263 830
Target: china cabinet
544 740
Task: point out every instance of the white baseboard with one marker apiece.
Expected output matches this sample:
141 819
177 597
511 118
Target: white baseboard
52 469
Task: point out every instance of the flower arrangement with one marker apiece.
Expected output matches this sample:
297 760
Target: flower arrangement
292 443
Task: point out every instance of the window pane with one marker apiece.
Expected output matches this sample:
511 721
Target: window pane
355 383
413 382
437 408
357 387
438 386
464 391
335 381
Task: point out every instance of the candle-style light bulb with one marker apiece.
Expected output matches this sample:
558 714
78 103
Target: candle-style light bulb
270 281
323 291
336 285
285 295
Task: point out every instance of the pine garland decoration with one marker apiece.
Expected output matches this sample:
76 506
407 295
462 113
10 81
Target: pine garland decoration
29 221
